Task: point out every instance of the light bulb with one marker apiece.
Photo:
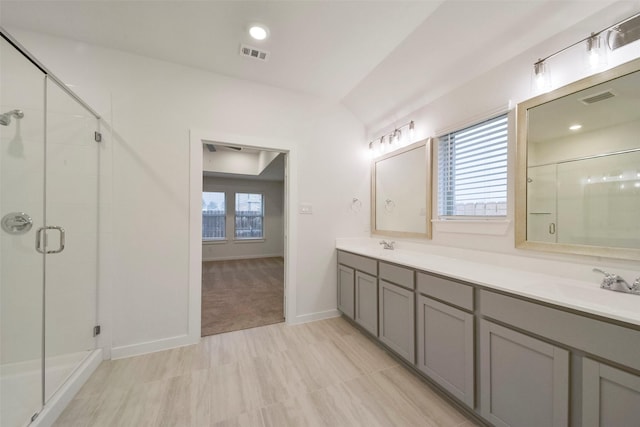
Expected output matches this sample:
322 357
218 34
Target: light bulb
258 32
541 76
596 52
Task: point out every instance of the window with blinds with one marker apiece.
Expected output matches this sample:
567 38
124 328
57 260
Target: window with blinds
472 171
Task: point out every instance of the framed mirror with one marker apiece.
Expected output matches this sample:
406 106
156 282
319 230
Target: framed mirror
401 192
578 167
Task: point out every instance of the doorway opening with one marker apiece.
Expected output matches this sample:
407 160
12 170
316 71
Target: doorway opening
243 237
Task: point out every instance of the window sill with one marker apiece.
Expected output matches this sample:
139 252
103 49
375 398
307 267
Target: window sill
248 240
486 226
214 242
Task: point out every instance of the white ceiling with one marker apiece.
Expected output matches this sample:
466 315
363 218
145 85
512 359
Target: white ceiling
376 57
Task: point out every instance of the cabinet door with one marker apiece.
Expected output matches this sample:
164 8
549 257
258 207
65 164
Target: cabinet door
346 290
610 397
445 347
524 381
366 314
396 319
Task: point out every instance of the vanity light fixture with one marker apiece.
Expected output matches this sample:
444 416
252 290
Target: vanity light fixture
394 138
575 127
627 29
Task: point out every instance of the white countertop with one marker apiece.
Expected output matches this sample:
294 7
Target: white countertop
579 295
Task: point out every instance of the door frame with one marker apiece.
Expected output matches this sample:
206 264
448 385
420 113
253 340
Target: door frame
196 140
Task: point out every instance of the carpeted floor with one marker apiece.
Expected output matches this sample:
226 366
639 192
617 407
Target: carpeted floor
241 294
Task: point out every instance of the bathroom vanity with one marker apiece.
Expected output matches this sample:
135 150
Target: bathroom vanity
516 348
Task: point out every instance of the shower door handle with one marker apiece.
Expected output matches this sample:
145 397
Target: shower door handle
39 240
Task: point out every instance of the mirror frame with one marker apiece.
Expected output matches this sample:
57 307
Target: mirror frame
427 143
522 108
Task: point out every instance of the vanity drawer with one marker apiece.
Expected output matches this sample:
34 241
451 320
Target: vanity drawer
398 275
454 293
607 340
357 262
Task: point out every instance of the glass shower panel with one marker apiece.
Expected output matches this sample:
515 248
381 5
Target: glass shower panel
22 178
598 201
71 203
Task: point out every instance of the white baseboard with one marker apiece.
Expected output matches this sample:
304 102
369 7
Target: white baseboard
153 346
231 258
312 317
67 392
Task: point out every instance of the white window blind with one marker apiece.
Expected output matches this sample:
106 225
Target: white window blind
472 170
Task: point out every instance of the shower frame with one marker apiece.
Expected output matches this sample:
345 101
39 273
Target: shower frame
55 400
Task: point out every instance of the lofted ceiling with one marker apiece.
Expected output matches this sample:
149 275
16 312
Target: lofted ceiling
376 57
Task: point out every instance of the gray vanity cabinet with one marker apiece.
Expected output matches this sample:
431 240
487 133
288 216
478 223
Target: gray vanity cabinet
445 347
397 319
610 397
366 312
512 360
346 290
445 334
524 381
397 305
357 289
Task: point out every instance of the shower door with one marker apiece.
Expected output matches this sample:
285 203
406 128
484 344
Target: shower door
48 241
71 191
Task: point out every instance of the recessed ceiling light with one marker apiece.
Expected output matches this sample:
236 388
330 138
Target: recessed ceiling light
258 32
575 127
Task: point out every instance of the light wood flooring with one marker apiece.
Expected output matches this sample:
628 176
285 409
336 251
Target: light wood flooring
325 373
241 294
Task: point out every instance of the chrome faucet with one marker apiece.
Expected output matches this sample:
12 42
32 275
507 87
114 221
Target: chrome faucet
387 245
613 282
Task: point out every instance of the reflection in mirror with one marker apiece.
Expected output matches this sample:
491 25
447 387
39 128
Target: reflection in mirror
579 167
401 192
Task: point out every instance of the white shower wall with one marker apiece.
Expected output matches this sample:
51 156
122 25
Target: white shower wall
22 169
595 200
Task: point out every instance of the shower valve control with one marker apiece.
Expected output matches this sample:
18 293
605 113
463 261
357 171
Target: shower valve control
17 223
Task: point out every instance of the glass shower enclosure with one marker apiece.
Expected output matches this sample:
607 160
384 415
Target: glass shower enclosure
49 175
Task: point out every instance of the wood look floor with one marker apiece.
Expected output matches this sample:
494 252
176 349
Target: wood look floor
325 373
241 294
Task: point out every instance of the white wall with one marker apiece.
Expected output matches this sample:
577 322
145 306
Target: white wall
498 90
273 242
155 104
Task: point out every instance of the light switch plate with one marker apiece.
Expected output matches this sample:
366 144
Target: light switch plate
306 209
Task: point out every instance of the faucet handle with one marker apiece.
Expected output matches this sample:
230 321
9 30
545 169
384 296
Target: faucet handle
608 280
635 287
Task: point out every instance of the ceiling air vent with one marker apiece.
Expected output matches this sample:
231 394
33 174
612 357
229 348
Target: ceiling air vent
592 99
252 52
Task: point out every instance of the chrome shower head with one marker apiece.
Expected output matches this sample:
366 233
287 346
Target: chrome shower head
5 119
